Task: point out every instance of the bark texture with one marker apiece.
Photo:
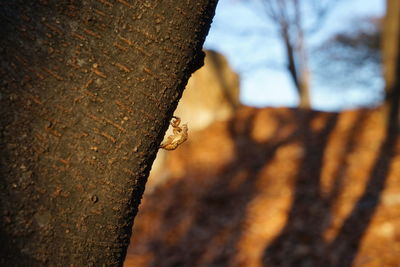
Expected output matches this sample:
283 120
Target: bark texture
86 93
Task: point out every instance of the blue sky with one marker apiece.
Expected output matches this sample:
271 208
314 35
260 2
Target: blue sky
249 41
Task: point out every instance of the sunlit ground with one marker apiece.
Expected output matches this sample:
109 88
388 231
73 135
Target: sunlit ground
277 187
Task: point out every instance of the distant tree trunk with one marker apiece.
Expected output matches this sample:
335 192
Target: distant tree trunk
287 16
87 89
303 68
297 68
304 88
391 60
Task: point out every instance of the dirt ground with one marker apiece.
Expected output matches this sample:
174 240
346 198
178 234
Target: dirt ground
276 187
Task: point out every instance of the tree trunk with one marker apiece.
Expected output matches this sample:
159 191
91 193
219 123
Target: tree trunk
390 44
304 71
391 61
299 74
87 90
296 56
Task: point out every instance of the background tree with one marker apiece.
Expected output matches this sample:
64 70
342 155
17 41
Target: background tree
293 29
87 91
391 59
367 52
353 56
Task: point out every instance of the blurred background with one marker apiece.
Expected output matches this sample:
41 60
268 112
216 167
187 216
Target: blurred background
293 156
335 41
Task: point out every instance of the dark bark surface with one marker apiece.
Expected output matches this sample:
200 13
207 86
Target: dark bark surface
87 90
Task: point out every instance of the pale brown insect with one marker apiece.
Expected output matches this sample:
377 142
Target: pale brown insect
180 135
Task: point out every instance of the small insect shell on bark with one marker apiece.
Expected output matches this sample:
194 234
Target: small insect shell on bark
179 135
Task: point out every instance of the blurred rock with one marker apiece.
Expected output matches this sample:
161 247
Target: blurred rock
212 93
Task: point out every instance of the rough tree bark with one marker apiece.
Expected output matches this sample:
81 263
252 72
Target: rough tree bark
87 90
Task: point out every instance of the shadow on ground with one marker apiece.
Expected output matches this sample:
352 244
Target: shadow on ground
277 187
